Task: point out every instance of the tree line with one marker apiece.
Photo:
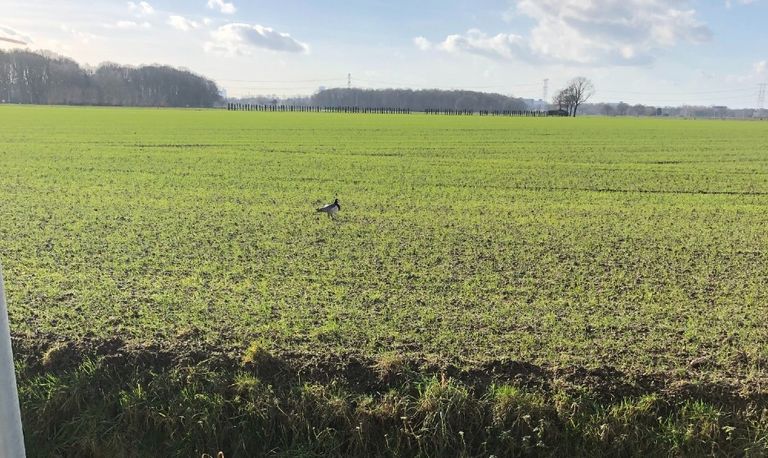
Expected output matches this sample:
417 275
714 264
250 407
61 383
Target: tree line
279 107
685 111
398 99
240 106
46 78
418 100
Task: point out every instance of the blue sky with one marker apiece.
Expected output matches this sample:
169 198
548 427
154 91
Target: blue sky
662 52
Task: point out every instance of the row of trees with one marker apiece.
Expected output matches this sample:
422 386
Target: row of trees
417 100
568 100
402 99
620 109
239 106
685 111
45 78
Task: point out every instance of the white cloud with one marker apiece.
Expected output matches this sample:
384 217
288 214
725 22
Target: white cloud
141 8
130 25
242 39
589 32
10 38
503 46
761 67
182 23
221 5
422 43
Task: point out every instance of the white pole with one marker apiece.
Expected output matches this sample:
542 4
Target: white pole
11 436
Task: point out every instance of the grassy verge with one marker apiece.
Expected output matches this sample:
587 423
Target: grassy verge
110 398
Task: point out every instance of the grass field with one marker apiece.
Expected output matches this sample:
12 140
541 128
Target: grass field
633 251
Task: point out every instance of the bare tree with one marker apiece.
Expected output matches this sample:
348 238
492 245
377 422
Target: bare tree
578 91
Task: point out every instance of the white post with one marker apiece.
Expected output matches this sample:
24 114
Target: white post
11 436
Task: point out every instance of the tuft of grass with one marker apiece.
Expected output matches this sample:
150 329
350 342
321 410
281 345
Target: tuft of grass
58 355
256 355
390 365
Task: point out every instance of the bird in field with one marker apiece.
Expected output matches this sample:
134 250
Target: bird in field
331 209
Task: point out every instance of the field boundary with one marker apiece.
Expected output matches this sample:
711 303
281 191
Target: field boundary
365 374
132 397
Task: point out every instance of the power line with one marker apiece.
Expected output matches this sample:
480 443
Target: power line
281 81
497 86
652 93
283 89
411 84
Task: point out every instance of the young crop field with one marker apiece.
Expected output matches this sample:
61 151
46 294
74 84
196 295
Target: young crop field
615 265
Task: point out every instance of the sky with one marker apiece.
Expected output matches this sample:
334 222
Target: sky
656 52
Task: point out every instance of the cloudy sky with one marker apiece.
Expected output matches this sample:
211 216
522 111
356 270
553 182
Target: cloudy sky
663 52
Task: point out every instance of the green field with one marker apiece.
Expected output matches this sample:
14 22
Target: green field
629 247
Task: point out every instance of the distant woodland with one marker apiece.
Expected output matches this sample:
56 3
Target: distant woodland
45 78
417 100
414 100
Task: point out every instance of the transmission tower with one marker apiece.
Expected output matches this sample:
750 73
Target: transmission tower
760 100
545 91
349 81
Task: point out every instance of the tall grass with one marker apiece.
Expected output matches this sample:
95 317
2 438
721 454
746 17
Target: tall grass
98 410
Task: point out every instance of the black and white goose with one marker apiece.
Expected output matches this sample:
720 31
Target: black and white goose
331 209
